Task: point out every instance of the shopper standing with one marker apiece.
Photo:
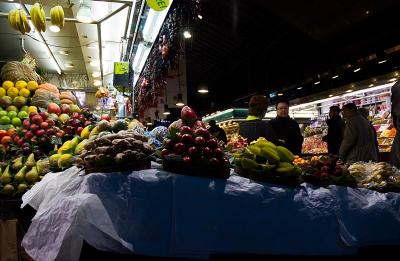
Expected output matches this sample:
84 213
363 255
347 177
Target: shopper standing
395 151
358 140
254 127
287 130
365 113
335 130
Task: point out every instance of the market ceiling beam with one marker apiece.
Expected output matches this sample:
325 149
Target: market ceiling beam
100 51
112 13
136 30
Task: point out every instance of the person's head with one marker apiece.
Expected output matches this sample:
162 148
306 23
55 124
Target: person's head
364 112
212 123
258 106
349 110
334 111
282 108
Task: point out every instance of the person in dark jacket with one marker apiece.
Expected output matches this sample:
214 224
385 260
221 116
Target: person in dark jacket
287 130
254 127
217 131
335 130
358 139
365 113
395 151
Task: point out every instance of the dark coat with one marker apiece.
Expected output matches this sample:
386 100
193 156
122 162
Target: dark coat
335 134
288 133
218 133
253 129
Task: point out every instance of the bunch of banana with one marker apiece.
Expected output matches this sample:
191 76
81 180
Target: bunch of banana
38 17
57 16
19 21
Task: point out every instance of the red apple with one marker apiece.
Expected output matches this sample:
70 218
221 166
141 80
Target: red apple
20 142
168 144
53 108
165 152
16 139
26 123
44 115
179 148
28 135
105 117
214 161
186 129
75 115
50 132
207 152
192 151
202 132
199 141
34 128
187 160
33 114
40 132
56 129
188 114
44 125
65 108
187 139
50 122
79 130
60 133
34 140
212 143
37 119
218 153
198 124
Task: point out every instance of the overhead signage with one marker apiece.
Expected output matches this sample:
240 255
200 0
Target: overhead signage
158 5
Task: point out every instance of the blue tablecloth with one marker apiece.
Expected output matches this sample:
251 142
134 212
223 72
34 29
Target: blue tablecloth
153 212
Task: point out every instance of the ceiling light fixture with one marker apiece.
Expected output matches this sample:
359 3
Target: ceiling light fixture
200 16
84 14
350 90
96 74
382 61
54 28
179 100
69 65
316 83
91 46
357 70
203 89
97 83
63 52
371 85
187 34
336 76
330 95
280 94
300 87
392 80
166 110
95 63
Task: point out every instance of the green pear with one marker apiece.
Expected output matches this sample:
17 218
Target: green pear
20 176
22 187
30 162
8 189
32 176
6 176
17 164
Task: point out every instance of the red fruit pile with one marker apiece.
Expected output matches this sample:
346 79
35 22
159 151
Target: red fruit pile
38 129
194 144
76 123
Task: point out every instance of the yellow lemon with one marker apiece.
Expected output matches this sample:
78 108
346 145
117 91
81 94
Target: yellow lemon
12 92
2 92
8 84
32 85
32 109
20 85
24 93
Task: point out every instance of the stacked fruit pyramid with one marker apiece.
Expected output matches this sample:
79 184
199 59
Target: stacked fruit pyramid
264 161
20 174
190 149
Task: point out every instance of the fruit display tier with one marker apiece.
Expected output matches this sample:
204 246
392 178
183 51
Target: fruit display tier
314 145
196 168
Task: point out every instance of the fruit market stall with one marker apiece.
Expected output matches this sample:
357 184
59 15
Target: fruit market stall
191 193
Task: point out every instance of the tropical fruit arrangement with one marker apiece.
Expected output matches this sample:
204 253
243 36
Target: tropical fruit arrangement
264 161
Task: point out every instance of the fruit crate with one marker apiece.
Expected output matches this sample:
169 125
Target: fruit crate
287 180
145 164
196 169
